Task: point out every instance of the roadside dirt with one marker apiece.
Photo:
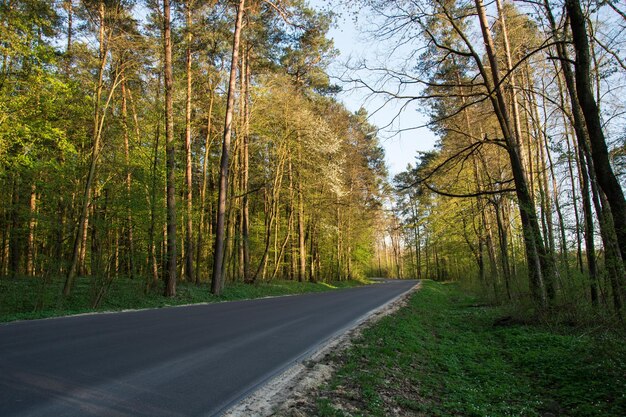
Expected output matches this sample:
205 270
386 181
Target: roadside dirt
293 392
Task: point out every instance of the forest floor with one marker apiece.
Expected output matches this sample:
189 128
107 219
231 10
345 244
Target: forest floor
32 298
446 353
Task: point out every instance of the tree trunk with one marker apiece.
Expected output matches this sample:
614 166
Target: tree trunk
301 245
614 263
312 239
599 151
205 163
416 236
170 151
245 216
540 268
96 135
129 215
291 225
4 250
189 272
153 199
504 248
283 246
218 253
542 178
608 230
557 206
273 207
589 235
579 129
32 222
59 230
15 241
512 86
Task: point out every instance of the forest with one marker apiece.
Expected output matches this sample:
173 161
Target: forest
205 142
523 195
193 142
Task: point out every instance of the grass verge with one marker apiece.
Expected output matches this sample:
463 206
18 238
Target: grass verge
31 298
444 354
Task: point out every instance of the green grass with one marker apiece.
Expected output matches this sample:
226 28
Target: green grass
33 298
444 355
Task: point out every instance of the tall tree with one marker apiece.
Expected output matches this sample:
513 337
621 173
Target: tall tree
218 252
599 151
104 35
188 163
170 149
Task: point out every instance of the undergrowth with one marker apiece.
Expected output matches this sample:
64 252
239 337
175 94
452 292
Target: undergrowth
448 353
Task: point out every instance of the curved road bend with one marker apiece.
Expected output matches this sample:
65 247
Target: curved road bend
185 361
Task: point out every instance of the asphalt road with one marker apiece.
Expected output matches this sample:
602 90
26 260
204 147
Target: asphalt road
185 361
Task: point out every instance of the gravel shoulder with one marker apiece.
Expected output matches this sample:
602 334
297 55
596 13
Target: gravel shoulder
290 392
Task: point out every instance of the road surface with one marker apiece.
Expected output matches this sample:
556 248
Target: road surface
185 361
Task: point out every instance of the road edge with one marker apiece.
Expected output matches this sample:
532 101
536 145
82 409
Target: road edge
282 390
170 306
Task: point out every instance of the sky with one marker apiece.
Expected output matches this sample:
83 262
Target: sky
400 148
